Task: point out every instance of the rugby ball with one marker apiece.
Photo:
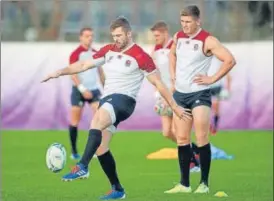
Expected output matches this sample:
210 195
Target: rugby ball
162 110
56 157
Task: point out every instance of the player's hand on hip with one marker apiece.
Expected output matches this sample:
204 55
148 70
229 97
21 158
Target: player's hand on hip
87 94
52 76
183 113
203 79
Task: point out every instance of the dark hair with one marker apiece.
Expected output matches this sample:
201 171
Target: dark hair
85 29
120 22
193 11
159 26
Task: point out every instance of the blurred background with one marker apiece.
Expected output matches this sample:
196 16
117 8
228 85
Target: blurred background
38 37
61 20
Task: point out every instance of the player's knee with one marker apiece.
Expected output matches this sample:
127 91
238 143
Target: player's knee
102 149
97 124
183 140
74 122
202 138
101 120
75 117
168 133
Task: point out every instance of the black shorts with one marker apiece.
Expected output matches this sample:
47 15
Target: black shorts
119 106
192 100
215 91
77 98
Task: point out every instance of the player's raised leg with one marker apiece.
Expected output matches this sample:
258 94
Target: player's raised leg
201 119
100 121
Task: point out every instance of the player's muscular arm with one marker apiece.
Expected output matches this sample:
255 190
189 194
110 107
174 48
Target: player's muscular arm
75 68
223 54
172 59
81 66
155 79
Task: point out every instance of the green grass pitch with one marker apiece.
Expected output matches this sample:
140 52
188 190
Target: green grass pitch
249 177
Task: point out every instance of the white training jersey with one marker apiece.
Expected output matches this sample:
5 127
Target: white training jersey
161 58
191 61
214 67
88 78
124 70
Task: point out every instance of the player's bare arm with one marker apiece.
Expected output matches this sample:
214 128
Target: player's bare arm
74 68
172 59
155 79
214 47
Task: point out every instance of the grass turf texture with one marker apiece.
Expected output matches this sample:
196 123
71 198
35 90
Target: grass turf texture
249 177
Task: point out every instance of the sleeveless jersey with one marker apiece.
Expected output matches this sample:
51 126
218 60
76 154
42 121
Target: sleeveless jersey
191 61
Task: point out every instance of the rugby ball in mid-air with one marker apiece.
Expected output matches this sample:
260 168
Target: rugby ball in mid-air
56 157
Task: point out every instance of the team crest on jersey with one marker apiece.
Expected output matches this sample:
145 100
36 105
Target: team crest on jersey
128 62
196 46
